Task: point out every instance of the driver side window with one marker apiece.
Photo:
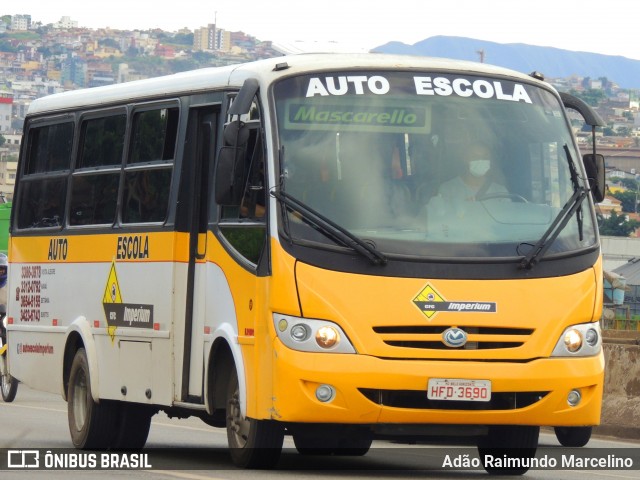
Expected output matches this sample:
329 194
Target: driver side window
243 225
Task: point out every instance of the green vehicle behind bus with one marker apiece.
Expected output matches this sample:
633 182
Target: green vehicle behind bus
5 215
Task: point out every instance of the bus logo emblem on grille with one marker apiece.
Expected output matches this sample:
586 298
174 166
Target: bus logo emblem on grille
430 302
454 337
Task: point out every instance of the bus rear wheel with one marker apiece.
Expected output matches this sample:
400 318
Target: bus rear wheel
92 425
508 449
252 443
133 426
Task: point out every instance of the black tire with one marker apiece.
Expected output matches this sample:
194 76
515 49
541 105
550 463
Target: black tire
573 436
93 426
133 426
352 446
8 384
518 444
309 445
252 443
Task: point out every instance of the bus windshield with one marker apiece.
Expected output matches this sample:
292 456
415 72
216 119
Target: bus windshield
430 164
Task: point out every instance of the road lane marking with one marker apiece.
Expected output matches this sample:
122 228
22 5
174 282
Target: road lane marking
188 476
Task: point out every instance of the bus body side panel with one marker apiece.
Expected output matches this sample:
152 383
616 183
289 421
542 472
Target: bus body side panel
119 283
239 310
233 300
33 356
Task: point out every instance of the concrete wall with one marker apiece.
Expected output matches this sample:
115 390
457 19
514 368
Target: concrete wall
621 402
617 251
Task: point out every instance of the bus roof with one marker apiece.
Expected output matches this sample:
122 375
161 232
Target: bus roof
264 70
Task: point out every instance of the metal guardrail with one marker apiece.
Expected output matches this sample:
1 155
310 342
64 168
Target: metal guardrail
620 317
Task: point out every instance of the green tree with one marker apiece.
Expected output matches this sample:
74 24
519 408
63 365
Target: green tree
624 131
591 96
183 64
629 183
629 200
617 226
109 42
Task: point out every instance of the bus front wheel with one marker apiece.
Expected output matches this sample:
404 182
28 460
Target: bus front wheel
332 440
92 425
508 449
573 436
252 443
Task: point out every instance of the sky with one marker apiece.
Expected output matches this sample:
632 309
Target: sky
609 28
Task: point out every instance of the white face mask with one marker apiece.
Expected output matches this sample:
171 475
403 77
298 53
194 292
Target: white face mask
479 167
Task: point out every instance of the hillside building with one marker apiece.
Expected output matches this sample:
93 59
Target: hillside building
6 111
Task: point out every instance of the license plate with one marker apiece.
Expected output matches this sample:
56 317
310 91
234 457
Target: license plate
459 389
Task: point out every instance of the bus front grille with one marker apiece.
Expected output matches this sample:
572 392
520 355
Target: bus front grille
417 399
430 337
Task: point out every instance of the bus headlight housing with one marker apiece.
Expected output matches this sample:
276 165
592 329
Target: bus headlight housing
311 335
582 340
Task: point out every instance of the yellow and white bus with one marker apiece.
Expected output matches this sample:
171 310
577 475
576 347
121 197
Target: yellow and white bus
303 246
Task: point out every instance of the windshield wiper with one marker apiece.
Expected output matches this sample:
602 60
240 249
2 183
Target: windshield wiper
330 229
572 206
539 249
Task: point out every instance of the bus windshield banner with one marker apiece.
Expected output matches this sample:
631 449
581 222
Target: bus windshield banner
395 117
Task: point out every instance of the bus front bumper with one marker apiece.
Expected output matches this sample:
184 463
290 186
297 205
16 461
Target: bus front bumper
370 390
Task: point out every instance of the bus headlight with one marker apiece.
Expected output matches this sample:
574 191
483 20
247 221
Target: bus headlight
573 340
327 337
583 340
311 335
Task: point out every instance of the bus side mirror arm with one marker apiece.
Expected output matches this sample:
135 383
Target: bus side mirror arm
593 162
229 173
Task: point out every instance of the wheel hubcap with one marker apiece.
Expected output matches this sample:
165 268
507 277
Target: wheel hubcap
237 424
80 400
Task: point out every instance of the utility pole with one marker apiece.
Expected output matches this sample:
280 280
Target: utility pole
481 54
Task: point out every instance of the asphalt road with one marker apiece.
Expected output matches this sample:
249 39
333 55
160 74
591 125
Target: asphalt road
189 449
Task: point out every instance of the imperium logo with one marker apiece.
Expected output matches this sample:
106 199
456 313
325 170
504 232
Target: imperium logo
430 302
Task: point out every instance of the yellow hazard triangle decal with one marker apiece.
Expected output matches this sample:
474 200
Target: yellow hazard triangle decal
112 295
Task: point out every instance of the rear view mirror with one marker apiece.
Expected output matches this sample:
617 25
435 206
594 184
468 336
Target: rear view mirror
594 166
236 133
229 181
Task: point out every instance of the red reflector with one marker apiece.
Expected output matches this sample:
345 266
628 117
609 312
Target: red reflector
54 322
156 326
96 324
10 320
207 330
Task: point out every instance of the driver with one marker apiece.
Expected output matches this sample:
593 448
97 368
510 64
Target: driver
476 179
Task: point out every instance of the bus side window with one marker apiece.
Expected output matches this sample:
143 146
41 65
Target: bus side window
95 181
146 195
42 189
247 228
149 167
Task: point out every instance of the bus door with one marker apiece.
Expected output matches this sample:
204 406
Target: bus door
202 131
